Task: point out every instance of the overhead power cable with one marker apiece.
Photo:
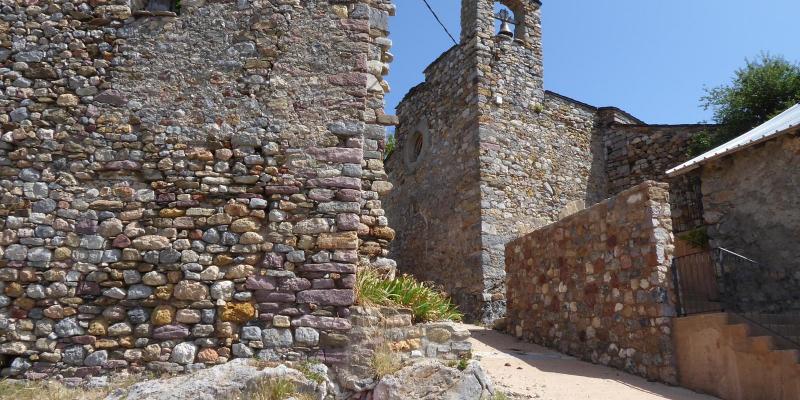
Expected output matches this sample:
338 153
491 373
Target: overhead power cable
439 21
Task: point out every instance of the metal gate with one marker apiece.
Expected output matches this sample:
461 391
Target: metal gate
696 284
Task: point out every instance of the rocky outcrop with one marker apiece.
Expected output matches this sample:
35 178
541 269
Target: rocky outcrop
237 378
432 380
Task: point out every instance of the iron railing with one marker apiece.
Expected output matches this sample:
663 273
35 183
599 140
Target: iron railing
722 280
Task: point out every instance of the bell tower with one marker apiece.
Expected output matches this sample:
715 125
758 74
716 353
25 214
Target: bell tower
518 42
478 19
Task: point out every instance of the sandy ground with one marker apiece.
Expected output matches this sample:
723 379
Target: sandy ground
527 371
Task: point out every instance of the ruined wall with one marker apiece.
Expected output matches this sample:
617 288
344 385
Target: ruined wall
750 202
596 285
390 331
637 152
186 190
436 198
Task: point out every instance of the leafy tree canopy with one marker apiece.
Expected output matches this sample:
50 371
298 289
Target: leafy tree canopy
760 90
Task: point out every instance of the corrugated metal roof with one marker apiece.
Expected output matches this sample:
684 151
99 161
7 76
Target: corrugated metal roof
777 126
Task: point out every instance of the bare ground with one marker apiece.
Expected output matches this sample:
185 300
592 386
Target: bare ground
527 371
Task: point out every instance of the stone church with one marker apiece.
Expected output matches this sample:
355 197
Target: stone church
485 155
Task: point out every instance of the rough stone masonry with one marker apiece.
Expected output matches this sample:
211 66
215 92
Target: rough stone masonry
485 155
597 285
179 190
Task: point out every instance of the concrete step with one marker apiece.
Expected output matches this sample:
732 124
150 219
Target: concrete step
792 355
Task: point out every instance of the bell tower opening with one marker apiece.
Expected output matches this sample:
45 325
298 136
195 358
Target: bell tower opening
505 21
511 19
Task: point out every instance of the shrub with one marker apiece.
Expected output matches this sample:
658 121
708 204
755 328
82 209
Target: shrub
426 302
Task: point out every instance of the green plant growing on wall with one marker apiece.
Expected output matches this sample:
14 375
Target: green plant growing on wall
391 144
760 90
426 302
696 237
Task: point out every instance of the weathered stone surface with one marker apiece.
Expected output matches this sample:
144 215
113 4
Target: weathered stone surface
238 312
96 359
306 336
277 338
430 379
170 332
222 381
189 290
183 353
344 240
163 315
150 242
134 225
334 297
615 302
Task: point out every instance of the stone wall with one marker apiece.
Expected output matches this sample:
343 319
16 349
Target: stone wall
434 169
750 202
596 284
180 191
499 157
391 331
639 152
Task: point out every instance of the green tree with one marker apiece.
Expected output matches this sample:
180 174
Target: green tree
760 90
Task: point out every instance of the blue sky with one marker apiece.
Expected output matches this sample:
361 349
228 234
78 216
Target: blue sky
651 58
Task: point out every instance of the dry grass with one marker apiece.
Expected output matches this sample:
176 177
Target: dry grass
385 362
275 389
498 395
54 390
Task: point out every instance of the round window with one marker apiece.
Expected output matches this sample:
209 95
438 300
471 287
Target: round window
414 147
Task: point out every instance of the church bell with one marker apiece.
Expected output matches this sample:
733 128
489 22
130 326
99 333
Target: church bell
505 30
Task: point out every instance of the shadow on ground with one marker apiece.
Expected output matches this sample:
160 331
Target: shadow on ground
528 369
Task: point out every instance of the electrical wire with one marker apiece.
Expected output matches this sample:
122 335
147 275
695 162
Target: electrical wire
439 21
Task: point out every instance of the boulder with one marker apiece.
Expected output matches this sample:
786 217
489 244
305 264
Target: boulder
231 380
431 380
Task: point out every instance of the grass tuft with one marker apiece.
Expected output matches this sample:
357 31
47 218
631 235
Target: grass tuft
307 370
500 396
426 302
275 389
54 390
385 362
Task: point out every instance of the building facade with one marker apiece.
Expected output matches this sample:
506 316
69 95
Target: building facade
181 189
485 155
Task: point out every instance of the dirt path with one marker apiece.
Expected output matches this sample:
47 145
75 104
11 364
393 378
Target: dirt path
527 371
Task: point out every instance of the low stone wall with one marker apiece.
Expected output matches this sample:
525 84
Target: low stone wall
391 330
596 285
